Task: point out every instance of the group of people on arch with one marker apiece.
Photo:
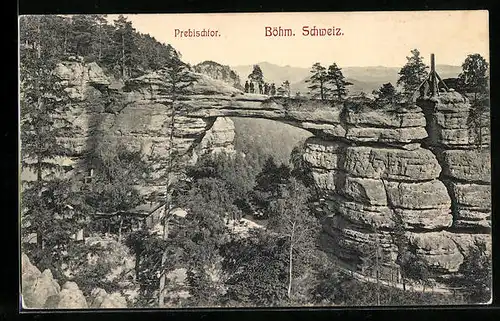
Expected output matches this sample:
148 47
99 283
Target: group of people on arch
260 88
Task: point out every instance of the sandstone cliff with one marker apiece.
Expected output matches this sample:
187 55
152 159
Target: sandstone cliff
411 165
377 166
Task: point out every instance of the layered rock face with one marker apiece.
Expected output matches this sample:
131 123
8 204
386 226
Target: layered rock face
463 147
381 175
379 168
137 117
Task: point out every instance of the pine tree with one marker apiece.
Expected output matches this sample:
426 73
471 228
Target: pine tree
318 81
386 93
50 206
413 73
124 41
256 76
336 79
82 31
473 82
177 77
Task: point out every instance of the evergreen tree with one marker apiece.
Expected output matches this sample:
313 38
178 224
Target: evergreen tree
413 73
124 41
473 82
336 79
256 76
177 77
50 206
256 267
318 80
82 34
474 76
387 93
269 182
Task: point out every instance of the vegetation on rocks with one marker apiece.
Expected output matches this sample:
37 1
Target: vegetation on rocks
240 228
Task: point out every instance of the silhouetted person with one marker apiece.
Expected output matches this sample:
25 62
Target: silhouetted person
252 88
260 88
246 86
273 89
266 89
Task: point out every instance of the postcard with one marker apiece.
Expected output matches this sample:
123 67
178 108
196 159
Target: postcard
229 160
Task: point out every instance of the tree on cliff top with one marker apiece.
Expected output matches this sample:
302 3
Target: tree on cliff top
256 75
474 76
413 73
318 81
473 81
386 94
338 81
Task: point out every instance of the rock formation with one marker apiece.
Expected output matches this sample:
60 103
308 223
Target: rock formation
41 291
404 166
378 167
217 71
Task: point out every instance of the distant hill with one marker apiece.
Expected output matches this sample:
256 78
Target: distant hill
274 73
364 79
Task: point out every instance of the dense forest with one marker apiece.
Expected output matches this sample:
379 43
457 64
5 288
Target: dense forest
118 47
249 233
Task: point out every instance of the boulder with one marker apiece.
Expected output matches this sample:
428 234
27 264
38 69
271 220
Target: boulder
71 297
96 298
438 250
44 287
114 301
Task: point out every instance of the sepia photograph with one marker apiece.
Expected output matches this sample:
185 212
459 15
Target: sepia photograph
243 160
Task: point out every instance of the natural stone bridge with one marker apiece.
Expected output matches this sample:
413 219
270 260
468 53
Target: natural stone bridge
377 166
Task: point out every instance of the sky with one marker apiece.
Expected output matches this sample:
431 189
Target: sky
369 38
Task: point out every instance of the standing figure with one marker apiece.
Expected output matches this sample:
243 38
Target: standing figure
273 89
252 88
260 88
266 89
246 86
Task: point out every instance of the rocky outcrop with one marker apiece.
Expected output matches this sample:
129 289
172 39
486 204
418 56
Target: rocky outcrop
461 143
100 299
218 139
41 291
217 71
418 165
400 165
36 287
